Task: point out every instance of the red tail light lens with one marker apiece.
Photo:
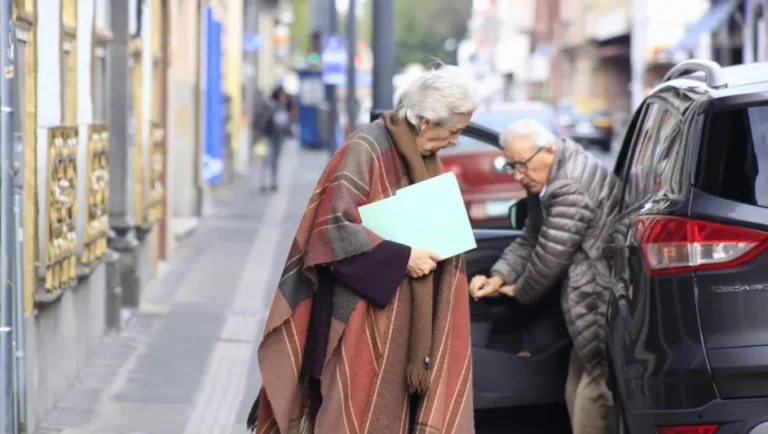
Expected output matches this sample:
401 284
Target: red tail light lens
687 429
455 169
676 244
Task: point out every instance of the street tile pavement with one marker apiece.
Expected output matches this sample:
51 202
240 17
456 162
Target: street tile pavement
186 362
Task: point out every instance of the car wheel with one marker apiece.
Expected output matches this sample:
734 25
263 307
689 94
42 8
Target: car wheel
606 146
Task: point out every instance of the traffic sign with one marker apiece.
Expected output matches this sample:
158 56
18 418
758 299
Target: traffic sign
252 42
334 60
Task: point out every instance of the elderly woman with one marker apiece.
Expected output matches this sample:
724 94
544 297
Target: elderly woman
367 335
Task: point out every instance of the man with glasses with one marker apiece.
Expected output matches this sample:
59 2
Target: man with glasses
571 199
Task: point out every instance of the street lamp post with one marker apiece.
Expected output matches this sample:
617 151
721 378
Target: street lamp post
383 52
351 70
8 231
330 89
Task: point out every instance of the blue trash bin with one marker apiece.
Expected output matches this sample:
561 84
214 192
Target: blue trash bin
310 99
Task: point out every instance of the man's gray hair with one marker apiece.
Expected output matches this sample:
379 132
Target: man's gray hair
533 130
438 96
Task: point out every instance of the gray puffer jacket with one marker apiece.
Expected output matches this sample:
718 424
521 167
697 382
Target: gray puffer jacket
563 239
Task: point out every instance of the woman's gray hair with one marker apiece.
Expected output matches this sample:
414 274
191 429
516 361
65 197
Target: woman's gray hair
533 130
438 96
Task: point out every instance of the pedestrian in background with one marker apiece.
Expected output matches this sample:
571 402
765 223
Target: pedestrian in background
274 125
571 199
364 334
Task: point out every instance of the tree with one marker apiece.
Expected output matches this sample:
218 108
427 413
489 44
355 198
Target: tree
421 29
365 21
300 33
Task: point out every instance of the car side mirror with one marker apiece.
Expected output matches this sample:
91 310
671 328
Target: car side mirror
518 212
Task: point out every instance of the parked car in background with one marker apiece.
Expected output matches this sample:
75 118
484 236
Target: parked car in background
566 114
586 123
594 128
489 191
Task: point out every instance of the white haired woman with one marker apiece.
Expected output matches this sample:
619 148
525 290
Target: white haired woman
365 334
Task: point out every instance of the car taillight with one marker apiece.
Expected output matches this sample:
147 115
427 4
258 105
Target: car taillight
687 429
676 244
455 169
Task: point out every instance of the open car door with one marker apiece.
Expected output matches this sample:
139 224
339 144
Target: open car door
520 353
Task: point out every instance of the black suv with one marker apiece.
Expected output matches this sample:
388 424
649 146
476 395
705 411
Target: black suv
687 321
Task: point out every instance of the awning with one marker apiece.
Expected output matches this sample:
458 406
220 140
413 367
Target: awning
714 18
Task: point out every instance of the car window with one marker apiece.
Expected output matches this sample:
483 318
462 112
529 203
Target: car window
636 177
647 138
498 120
651 169
733 161
624 156
667 174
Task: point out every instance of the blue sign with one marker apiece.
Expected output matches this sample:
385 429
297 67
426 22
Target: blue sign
252 42
334 61
213 150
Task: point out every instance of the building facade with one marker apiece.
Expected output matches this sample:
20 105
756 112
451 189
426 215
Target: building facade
70 52
543 34
111 101
591 57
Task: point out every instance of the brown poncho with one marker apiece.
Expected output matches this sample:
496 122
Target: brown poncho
364 382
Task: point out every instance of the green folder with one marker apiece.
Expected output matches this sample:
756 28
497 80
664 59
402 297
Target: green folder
430 215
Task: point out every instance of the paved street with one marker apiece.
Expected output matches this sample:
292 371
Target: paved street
186 362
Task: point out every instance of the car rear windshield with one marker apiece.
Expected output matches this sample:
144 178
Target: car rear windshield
498 120
733 162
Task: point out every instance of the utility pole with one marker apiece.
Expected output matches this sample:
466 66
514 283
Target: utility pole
121 129
19 342
638 50
748 29
8 232
383 53
351 69
762 31
330 89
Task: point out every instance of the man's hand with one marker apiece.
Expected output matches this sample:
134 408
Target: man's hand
482 286
508 290
422 262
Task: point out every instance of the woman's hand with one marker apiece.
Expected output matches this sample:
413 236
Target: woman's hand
422 262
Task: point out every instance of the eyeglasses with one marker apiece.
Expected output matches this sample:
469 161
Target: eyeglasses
513 167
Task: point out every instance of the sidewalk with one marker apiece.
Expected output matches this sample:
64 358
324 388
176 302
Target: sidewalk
186 363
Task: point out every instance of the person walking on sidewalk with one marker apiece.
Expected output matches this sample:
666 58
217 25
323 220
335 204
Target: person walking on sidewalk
275 125
571 199
364 334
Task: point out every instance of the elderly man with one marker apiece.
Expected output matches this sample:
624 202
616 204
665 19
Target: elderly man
571 198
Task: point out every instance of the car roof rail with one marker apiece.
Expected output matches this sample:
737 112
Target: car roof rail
713 72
